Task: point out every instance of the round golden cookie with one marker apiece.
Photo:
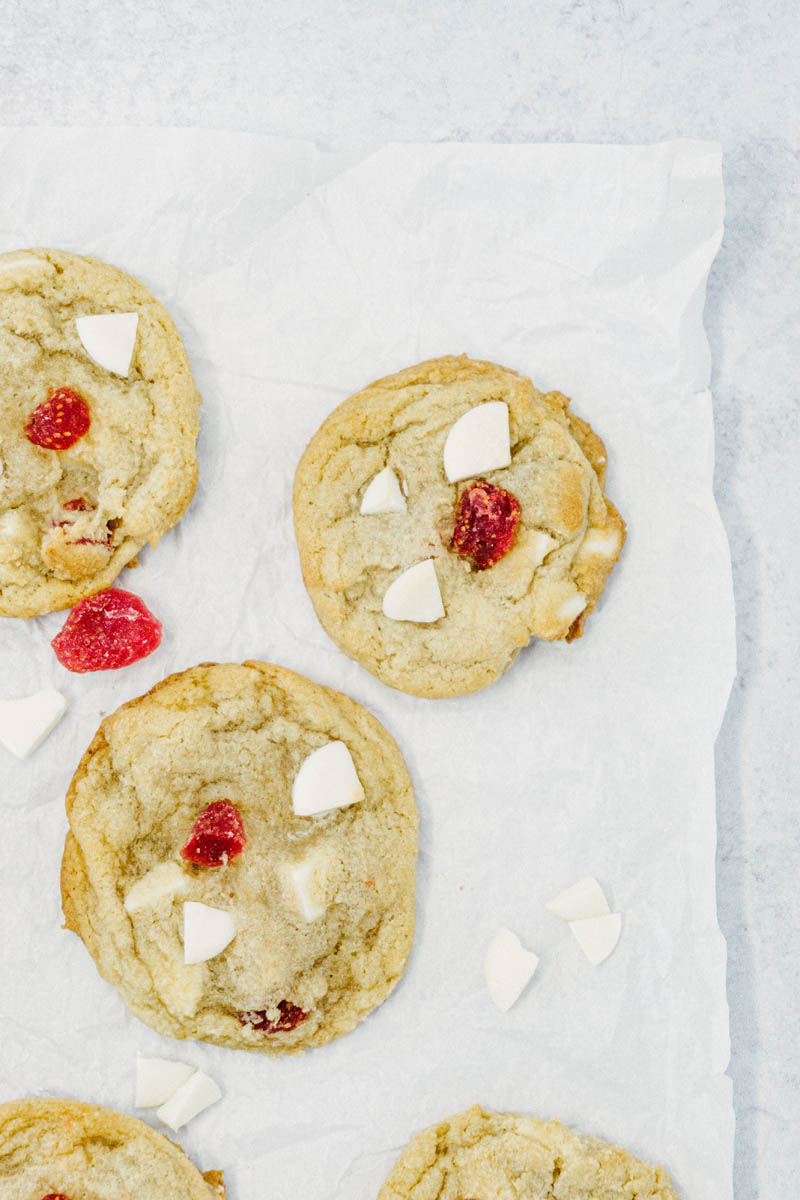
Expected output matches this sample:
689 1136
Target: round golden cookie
78 1151
71 518
479 1155
322 906
568 537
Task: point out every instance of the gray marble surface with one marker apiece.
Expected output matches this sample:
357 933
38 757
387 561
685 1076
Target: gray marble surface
361 72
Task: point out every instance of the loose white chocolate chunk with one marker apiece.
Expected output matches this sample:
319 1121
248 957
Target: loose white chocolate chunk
415 595
508 968
327 779
383 494
25 723
305 883
167 879
109 338
157 1079
478 442
583 900
206 931
603 542
192 1097
597 936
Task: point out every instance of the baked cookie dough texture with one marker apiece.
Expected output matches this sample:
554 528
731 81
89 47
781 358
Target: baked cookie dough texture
480 1155
568 538
322 905
71 519
83 1152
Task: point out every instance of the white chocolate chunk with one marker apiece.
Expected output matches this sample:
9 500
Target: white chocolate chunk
157 1079
597 936
167 879
508 968
572 608
327 779
25 723
583 900
479 441
20 264
206 931
601 542
109 338
192 1097
415 595
383 494
305 882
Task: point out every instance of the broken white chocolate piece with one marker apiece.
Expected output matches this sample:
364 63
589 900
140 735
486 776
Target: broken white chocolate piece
26 722
327 779
479 441
583 900
206 931
383 495
605 543
192 1097
415 595
157 1079
305 882
508 968
167 879
597 936
109 339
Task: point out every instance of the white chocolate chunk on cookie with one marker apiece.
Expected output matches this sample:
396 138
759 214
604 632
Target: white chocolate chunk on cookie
327 780
109 339
479 441
167 879
25 723
508 968
571 608
305 883
415 595
597 936
18 265
605 543
157 1079
583 900
383 495
206 931
192 1097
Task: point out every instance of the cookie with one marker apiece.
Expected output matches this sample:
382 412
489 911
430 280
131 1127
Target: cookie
488 530
480 1155
208 883
95 460
68 1151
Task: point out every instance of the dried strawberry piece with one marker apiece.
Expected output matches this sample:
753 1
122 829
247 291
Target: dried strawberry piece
59 422
79 504
109 630
55 1196
217 837
290 1017
485 523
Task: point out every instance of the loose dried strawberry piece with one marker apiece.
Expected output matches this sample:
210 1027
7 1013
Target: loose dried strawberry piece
485 523
109 630
59 422
290 1017
217 837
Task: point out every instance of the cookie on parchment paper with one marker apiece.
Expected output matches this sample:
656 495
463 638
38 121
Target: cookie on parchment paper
241 861
62 1148
447 514
98 419
500 1156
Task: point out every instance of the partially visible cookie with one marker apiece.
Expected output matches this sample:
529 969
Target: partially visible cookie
69 1151
503 524
97 454
205 876
479 1155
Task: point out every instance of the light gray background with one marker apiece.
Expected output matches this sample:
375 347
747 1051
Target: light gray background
358 73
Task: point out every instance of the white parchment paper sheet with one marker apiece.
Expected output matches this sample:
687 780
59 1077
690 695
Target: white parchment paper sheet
296 277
